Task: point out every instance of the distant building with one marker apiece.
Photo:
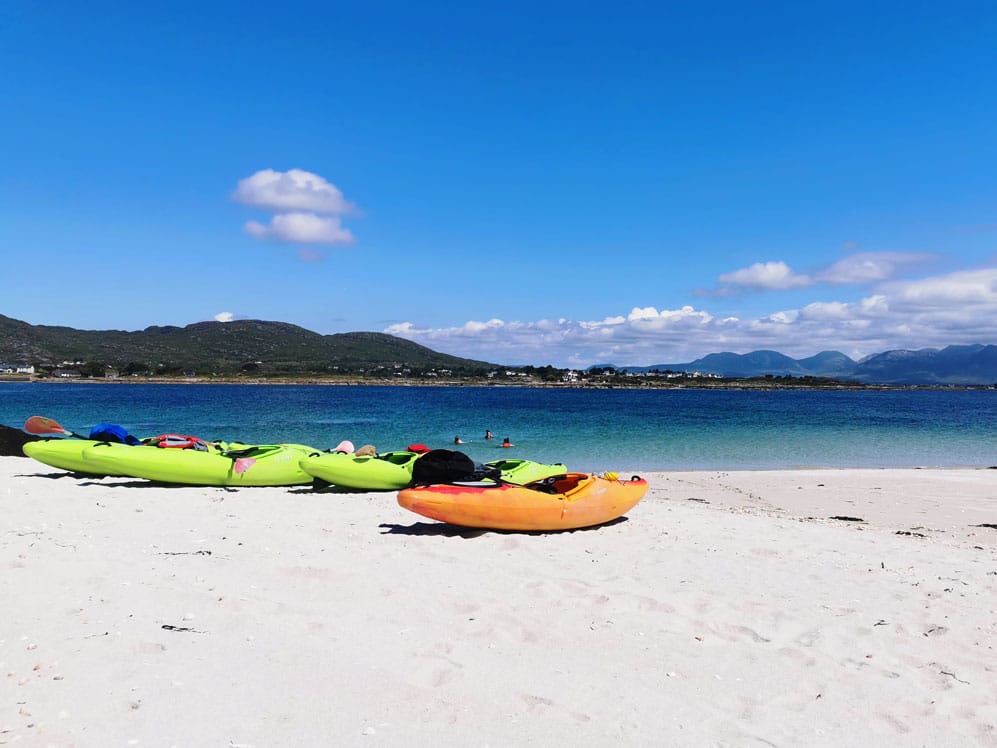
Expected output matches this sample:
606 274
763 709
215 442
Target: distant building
16 368
67 373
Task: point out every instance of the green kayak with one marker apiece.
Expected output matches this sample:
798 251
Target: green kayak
257 465
66 454
385 472
521 472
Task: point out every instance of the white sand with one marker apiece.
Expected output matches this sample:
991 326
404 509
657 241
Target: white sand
342 619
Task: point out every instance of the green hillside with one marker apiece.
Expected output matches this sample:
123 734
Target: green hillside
222 348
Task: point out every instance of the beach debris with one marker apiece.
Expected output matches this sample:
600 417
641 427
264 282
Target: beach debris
171 627
185 553
701 501
991 525
953 675
912 534
880 622
845 518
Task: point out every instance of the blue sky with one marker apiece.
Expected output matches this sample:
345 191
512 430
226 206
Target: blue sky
524 183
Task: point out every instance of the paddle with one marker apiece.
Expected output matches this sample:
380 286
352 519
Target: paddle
40 425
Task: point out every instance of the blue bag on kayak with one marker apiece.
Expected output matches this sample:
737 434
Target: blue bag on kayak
112 432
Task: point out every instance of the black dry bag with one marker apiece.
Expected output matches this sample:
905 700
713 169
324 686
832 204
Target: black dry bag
443 466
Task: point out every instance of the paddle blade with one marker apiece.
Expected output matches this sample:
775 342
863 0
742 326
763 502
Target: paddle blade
41 425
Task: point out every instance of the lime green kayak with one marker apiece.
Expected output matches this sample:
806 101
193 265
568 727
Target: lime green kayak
66 454
521 472
386 472
257 465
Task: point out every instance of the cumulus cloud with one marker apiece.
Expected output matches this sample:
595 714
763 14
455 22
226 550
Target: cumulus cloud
956 308
224 317
307 208
769 275
292 190
302 228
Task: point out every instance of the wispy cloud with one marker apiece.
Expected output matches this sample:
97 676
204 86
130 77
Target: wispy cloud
857 269
868 267
307 208
959 307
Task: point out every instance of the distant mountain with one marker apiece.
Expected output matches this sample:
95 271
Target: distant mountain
222 347
955 364
762 363
828 364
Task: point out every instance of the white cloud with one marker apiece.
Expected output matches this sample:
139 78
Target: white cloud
859 268
292 190
959 307
868 267
307 208
964 288
302 228
771 275
224 317
824 310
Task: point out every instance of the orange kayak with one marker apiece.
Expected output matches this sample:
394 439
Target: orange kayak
562 503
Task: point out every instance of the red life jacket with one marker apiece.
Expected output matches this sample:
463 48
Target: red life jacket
178 441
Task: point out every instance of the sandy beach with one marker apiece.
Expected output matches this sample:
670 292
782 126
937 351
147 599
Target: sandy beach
727 608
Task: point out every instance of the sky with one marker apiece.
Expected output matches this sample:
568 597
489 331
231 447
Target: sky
521 183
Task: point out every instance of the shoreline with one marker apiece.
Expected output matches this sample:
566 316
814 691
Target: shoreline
725 608
729 384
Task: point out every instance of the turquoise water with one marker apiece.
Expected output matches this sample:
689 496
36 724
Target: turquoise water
589 430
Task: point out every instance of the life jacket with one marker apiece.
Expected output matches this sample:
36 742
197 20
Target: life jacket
178 441
112 432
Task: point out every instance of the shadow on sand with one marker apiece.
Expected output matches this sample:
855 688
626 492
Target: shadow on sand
443 529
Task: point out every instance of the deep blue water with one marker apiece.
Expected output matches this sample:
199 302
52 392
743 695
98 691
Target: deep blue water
589 430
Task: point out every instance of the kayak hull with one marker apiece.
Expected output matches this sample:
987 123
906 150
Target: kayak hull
65 454
388 472
261 465
578 500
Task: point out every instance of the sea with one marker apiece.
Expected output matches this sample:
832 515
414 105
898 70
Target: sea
590 430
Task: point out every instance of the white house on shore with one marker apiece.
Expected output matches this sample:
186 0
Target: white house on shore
17 368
